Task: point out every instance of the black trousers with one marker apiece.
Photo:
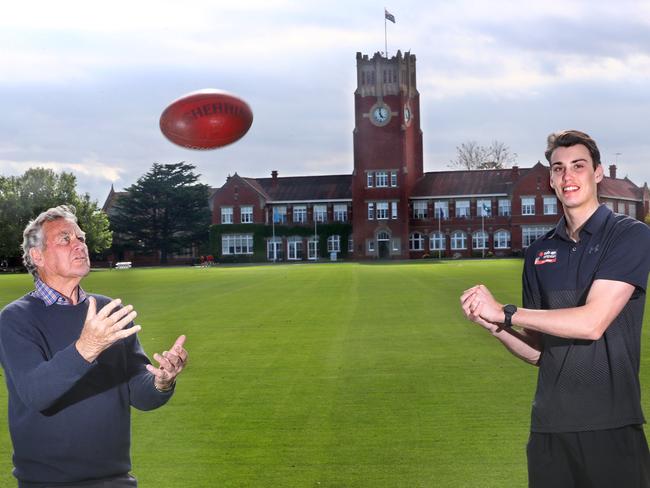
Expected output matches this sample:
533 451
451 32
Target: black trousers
614 458
122 481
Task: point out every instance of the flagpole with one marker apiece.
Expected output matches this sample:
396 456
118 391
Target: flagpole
385 34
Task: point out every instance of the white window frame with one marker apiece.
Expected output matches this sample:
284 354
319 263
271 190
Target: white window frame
381 179
369 179
236 244
246 214
294 248
371 211
463 205
480 240
531 232
420 209
299 214
393 178
280 214
456 237
340 212
550 205
505 207
382 211
441 206
416 241
334 243
226 215
393 210
437 241
480 210
527 205
502 239
320 213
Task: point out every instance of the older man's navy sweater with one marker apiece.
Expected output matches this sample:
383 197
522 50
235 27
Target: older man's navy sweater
69 419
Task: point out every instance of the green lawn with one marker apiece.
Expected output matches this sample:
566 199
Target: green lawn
324 375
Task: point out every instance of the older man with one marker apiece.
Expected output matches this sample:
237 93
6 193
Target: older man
74 367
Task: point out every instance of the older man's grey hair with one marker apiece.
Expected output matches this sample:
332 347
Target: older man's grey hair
33 236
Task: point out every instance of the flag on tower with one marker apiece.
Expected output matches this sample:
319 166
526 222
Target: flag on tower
389 16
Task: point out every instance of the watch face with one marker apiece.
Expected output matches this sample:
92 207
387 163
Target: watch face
380 114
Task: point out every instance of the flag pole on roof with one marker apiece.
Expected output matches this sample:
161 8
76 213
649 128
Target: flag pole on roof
391 17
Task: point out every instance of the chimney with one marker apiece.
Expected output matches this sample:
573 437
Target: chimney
274 178
612 171
515 172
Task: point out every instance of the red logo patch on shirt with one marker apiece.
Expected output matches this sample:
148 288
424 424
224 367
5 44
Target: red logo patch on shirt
545 257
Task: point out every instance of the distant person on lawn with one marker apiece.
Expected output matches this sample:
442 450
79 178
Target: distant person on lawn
74 367
584 292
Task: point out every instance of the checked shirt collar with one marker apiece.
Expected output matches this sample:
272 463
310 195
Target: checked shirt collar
52 297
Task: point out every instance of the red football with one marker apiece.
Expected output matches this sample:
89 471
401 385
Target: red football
206 119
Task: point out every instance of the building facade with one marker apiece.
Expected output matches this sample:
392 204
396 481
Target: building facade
394 209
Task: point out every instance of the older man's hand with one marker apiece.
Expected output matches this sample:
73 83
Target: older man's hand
102 329
171 363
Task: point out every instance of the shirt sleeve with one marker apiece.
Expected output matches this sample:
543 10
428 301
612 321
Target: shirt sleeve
38 381
627 257
143 395
531 296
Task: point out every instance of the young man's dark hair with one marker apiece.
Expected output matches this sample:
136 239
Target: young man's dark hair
568 138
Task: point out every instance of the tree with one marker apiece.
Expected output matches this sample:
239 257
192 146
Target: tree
471 155
23 197
165 211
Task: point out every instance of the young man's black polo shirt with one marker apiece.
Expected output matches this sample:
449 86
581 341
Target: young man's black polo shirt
589 385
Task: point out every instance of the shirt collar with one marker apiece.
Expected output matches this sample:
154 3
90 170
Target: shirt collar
50 296
592 225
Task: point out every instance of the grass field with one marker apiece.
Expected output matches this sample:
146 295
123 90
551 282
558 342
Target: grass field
324 375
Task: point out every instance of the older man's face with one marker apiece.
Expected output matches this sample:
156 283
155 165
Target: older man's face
66 254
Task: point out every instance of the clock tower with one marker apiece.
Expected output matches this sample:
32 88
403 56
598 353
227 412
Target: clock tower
387 154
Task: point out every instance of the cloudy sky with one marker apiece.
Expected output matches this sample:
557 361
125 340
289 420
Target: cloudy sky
82 84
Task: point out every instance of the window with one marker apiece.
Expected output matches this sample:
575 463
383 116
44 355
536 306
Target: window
299 214
350 244
340 213
420 209
462 209
371 211
527 205
609 204
393 178
393 210
371 245
236 244
480 240
246 214
620 207
458 240
441 209
531 232
382 210
631 209
504 208
502 239
550 205
416 242
381 179
484 208
334 244
320 213
226 215
369 183
437 241
274 249
280 215
294 248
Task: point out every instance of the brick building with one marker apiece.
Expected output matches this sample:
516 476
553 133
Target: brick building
394 209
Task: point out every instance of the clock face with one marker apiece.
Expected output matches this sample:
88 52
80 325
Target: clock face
380 114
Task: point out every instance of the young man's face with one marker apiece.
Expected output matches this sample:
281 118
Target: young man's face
65 255
573 176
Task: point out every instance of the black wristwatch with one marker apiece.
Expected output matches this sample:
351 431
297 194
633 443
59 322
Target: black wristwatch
509 311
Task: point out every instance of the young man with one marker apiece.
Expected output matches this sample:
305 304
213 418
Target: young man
583 298
74 367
